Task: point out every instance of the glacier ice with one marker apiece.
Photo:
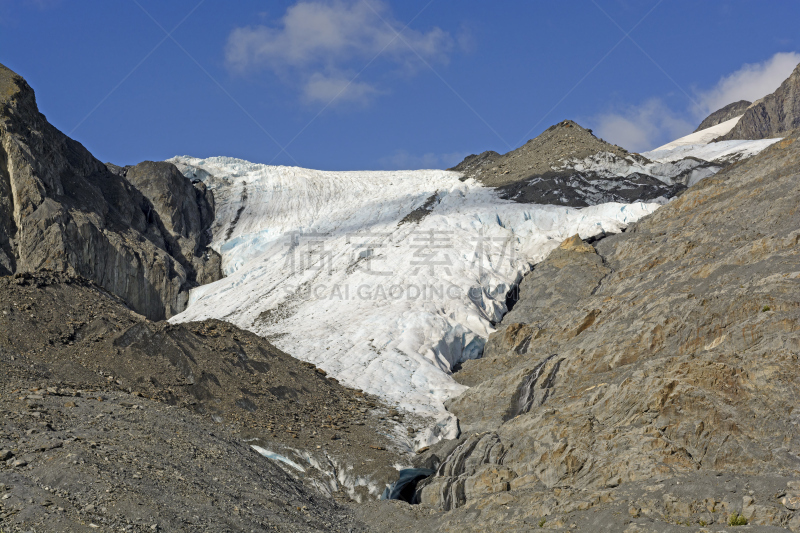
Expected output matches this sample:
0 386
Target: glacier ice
722 152
703 136
699 146
320 263
277 457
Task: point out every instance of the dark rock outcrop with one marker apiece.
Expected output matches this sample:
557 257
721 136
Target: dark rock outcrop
772 116
184 214
142 237
581 189
728 112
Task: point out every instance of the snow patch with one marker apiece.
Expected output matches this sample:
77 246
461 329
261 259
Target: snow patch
277 457
720 152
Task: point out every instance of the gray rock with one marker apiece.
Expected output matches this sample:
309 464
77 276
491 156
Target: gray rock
655 365
63 210
772 116
526 174
186 213
736 109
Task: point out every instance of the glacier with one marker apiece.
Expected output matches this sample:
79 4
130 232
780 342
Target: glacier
719 152
388 280
329 267
702 137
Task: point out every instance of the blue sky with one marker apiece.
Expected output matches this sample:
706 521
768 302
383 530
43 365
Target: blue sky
384 84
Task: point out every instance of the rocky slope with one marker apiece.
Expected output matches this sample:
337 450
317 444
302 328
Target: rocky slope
540 171
567 165
736 109
643 383
112 419
773 115
140 233
565 140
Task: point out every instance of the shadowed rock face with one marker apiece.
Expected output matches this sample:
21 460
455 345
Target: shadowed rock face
728 112
142 239
183 213
773 115
667 353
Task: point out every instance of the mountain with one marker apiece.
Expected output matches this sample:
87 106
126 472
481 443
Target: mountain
390 281
568 165
543 171
561 142
142 237
730 111
646 379
386 280
567 336
772 116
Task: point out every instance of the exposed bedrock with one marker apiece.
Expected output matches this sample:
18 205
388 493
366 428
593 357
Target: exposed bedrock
140 233
670 350
772 116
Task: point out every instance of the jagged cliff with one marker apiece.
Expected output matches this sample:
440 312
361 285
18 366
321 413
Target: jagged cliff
773 115
140 233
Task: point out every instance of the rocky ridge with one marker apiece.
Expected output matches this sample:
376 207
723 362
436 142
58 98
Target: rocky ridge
63 210
772 116
644 383
736 109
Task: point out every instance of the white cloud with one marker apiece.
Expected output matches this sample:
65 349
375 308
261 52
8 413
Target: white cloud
315 38
325 88
643 127
751 82
651 124
403 160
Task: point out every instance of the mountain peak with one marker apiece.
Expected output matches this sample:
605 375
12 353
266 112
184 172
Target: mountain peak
9 83
736 109
13 86
560 142
772 116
